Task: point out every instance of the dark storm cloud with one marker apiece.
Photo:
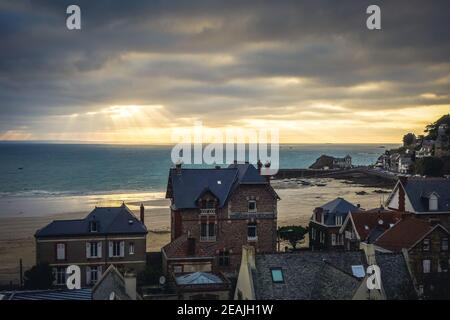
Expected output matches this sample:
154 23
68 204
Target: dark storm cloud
193 56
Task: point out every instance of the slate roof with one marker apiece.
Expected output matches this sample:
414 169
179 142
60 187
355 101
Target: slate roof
404 234
111 220
395 277
308 275
76 294
419 190
337 207
186 185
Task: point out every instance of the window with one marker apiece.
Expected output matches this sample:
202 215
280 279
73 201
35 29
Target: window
177 269
443 265
339 220
277 275
207 231
60 275
252 206
426 245
116 248
444 244
433 204
333 239
322 237
93 273
313 234
224 258
93 226
426 265
358 271
94 249
131 248
60 251
251 231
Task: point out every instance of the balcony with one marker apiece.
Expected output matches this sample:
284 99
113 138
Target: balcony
208 238
208 211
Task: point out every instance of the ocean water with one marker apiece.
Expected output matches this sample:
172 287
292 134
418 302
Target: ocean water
47 170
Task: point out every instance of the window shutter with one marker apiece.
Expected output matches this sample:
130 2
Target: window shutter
88 249
110 249
99 249
99 272
122 248
88 275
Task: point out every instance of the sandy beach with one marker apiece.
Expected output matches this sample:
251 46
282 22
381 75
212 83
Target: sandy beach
18 227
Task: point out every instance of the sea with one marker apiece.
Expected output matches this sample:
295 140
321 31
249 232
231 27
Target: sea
66 172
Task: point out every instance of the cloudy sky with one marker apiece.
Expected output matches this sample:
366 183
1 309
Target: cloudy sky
139 69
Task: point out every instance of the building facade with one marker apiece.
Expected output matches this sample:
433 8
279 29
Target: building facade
214 212
108 235
326 222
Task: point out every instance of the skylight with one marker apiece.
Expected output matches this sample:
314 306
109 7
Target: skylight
358 271
277 275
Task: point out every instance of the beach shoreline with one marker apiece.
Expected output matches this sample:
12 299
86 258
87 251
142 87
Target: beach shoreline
295 208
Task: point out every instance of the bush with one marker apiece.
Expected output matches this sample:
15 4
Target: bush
293 234
429 166
39 277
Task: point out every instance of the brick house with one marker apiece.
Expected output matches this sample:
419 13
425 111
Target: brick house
108 235
325 223
425 243
366 226
214 212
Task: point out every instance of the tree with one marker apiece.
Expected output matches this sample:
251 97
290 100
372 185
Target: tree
39 277
429 166
409 139
149 276
432 128
293 234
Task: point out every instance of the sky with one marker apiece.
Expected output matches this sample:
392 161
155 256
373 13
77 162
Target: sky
138 70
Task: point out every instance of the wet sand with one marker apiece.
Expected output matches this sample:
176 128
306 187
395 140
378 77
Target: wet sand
295 207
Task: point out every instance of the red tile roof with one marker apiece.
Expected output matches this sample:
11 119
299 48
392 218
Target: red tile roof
366 221
404 234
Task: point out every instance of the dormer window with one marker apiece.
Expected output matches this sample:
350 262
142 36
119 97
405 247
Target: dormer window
433 202
93 226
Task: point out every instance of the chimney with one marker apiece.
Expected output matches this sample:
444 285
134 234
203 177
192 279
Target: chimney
191 246
267 171
130 285
259 165
403 180
142 213
401 193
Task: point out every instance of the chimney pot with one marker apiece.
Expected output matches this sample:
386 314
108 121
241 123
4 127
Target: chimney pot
142 213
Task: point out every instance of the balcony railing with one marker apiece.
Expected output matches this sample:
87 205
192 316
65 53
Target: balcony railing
208 238
208 211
